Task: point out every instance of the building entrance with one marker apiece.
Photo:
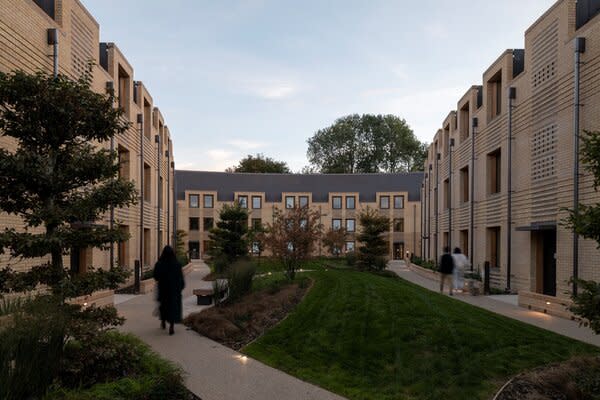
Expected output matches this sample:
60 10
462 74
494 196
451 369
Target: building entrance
548 255
398 250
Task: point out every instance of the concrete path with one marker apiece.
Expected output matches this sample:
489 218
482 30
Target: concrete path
214 372
504 306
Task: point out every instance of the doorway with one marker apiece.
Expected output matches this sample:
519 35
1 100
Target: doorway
548 255
398 250
194 250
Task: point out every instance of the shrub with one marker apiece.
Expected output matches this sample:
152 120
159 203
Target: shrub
239 279
220 264
587 303
351 258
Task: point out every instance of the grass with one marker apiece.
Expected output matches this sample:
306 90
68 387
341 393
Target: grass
373 337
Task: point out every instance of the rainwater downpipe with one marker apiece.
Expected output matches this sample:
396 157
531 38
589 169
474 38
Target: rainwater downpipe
436 204
579 49
168 155
429 213
474 123
422 219
53 40
159 198
110 87
449 194
140 121
512 95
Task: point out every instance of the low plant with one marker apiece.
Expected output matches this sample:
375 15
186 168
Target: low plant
239 279
9 305
351 258
587 303
424 263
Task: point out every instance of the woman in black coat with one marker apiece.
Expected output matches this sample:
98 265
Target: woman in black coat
168 275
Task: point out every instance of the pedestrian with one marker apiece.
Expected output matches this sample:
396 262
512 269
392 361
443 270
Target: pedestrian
446 269
169 276
461 262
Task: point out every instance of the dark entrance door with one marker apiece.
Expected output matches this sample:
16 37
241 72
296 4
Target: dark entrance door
398 250
549 262
194 248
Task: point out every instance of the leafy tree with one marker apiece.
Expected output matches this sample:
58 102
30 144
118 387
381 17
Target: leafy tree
59 182
365 144
373 248
260 164
228 239
586 222
334 240
292 236
180 251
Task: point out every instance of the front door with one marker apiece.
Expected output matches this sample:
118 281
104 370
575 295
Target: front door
194 249
549 262
398 250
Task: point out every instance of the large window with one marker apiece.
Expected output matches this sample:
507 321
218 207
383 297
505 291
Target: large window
194 224
290 201
208 223
350 225
349 246
303 201
494 88
256 202
350 202
398 202
384 202
256 223
493 248
399 225
446 194
464 184
147 183
124 165
463 122
243 201
47 6
336 202
208 201
586 10
194 200
336 224
494 163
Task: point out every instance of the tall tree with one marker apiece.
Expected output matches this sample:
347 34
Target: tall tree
334 240
260 164
228 239
365 144
586 222
373 248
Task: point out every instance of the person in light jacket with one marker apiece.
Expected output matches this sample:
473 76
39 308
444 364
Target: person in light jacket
461 262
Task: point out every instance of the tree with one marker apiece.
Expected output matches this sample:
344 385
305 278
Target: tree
228 239
60 183
260 164
366 144
292 236
334 240
586 222
180 252
373 248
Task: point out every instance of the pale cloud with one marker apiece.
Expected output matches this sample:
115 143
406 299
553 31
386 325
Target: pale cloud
243 144
271 90
436 30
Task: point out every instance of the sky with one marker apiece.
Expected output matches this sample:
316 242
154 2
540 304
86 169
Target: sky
234 78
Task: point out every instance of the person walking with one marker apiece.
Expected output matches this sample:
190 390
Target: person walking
446 269
461 262
169 276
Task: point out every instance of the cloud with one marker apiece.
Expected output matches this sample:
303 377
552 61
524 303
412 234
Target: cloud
270 90
245 144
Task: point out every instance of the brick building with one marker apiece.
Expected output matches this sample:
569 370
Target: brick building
501 169
28 31
338 197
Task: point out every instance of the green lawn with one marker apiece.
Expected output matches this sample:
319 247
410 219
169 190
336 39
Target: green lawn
371 337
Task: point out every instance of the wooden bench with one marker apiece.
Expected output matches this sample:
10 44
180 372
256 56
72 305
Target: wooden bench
204 297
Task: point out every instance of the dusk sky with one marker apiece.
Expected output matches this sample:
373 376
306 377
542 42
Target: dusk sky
242 77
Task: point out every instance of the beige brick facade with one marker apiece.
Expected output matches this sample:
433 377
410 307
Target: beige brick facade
24 46
541 167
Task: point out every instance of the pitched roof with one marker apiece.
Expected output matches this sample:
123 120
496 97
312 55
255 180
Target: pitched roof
367 185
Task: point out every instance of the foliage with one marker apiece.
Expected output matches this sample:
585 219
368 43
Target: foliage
334 240
424 263
9 305
366 143
373 248
369 337
239 279
260 164
586 222
180 251
256 236
292 236
228 239
351 258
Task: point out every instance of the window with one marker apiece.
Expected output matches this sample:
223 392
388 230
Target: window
290 201
303 223
446 139
160 192
384 202
124 86
147 183
147 119
47 6
303 201
194 200
194 224
256 202
336 202
124 166
398 202
123 248
255 248
208 201
446 194
243 201
399 225
349 246
585 11
194 249
494 98
336 224
463 122
464 184
350 225
206 245
147 248
256 223
494 163
350 202
493 235
464 242
208 223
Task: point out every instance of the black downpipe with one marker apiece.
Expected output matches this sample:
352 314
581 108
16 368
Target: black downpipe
422 219
474 123
53 40
429 213
110 89
140 121
168 155
512 94
436 204
159 199
449 194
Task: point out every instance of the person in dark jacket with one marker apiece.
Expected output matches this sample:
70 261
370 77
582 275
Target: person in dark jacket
446 269
168 275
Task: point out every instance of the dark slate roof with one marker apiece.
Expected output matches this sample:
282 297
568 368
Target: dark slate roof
225 184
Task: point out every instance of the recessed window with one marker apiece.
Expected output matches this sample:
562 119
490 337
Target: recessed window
336 224
124 165
208 201
303 201
493 248
256 223
147 119
446 194
194 224
256 202
398 202
208 223
290 202
494 163
384 202
463 122
350 225
494 97
243 201
399 225
47 6
194 200
350 202
147 183
349 246
336 202
464 184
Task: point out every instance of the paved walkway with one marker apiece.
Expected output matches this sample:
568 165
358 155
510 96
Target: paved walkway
505 305
214 372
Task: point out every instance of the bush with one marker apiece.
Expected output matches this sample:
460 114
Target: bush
587 303
239 279
219 264
351 258
424 263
